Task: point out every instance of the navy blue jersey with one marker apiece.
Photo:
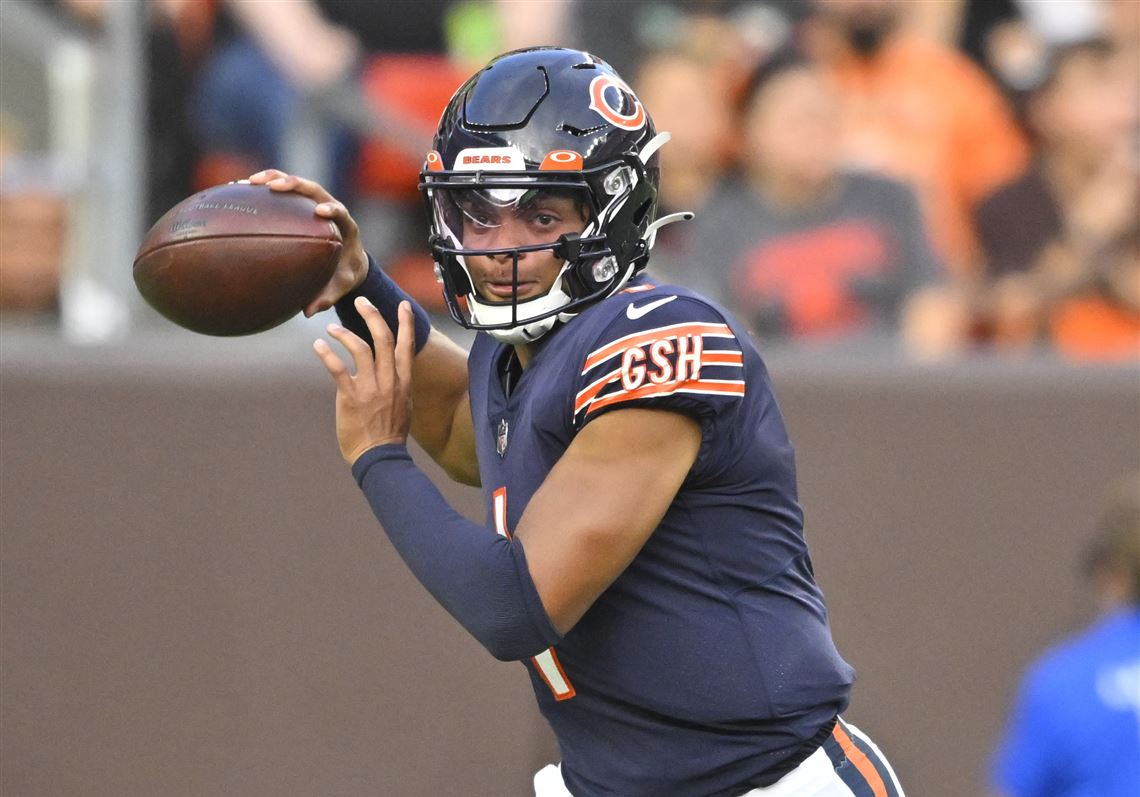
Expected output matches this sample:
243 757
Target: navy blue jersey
709 661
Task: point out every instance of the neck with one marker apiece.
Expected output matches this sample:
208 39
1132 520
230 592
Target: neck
523 352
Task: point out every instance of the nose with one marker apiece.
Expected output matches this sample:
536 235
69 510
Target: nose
506 236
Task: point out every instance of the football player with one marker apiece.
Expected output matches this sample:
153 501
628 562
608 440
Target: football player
644 554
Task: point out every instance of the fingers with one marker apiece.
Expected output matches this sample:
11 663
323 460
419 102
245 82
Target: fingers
381 334
263 177
278 180
353 264
405 345
333 210
338 214
335 366
361 355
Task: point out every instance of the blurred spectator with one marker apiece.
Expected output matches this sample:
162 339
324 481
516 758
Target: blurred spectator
1074 730
920 111
797 247
1060 240
628 32
1102 322
38 185
689 98
1064 23
1013 39
343 92
179 33
361 84
33 225
269 58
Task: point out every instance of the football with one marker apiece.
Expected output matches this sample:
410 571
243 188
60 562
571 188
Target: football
236 259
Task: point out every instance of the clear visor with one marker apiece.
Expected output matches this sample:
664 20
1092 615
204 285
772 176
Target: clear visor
499 218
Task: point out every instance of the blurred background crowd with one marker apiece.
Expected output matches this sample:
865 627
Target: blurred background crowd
936 177
878 183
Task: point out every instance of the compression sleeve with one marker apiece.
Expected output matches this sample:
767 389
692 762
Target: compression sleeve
480 577
386 295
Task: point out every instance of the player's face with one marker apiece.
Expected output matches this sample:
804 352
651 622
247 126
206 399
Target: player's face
537 219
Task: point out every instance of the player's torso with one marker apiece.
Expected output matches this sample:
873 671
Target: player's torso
680 661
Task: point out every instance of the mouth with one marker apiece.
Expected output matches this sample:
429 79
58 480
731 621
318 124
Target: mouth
505 290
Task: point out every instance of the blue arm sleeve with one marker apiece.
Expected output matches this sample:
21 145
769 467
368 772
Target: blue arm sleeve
386 295
480 577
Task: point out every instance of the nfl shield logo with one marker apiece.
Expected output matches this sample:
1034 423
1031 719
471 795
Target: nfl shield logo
501 437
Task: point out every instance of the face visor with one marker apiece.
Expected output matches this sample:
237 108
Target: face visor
507 216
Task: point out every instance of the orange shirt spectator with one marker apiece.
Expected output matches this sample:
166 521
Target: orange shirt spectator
921 112
1095 328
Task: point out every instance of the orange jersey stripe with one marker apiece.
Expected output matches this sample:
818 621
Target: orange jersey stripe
731 388
638 288
728 358
641 338
587 395
860 760
722 358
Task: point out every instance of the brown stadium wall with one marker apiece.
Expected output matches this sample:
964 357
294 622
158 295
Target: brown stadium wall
195 600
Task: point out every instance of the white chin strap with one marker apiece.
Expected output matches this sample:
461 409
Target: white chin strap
525 331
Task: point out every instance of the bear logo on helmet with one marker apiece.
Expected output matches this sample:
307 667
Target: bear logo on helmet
600 102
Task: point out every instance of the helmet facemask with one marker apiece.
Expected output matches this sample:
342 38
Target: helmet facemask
544 118
615 199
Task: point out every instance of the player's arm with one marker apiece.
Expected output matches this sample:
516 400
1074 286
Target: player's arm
587 522
441 423
601 502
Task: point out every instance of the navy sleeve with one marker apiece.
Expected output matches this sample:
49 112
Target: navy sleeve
664 352
480 577
386 295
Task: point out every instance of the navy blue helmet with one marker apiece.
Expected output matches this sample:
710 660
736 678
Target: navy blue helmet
535 120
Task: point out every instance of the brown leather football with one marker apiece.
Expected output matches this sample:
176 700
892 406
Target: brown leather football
236 259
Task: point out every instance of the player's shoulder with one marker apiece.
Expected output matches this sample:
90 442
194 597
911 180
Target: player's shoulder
657 345
645 307
647 312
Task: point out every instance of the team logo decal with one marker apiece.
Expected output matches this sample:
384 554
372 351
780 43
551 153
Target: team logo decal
501 437
434 162
600 102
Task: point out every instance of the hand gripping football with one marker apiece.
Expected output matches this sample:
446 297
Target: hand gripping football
236 259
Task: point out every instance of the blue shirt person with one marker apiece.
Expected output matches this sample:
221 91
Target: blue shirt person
1074 729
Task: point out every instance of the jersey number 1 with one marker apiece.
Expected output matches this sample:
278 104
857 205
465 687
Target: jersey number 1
545 663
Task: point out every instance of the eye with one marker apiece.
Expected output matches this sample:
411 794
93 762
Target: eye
544 219
479 221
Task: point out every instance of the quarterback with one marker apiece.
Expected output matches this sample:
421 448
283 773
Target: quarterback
643 555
